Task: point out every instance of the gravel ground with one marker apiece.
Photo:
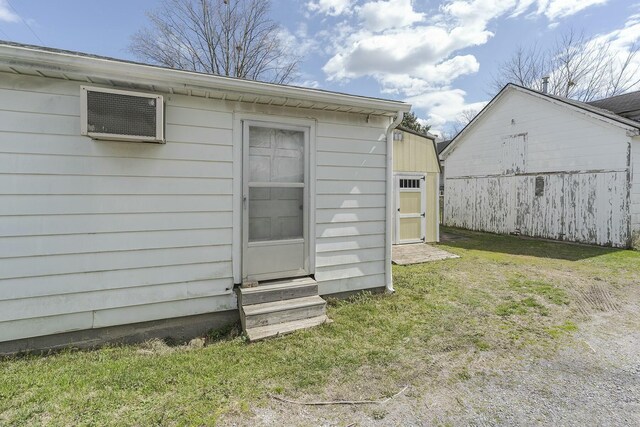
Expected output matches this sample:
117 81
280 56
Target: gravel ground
594 379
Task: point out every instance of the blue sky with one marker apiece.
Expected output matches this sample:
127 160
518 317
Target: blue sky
439 56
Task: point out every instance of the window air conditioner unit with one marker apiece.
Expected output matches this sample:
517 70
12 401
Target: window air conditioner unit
119 115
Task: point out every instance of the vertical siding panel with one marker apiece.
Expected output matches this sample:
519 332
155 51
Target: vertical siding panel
491 173
635 192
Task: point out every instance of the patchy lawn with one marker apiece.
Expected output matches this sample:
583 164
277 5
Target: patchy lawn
505 300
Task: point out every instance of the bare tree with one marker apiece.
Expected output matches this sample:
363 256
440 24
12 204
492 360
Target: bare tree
226 37
463 119
578 67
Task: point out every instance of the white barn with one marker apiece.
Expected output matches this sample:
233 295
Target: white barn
135 199
539 165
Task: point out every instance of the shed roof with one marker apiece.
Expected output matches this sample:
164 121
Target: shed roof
411 131
76 66
609 116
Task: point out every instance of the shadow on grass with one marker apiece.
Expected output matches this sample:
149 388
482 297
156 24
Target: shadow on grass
519 245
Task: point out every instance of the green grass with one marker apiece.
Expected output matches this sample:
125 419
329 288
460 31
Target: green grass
503 297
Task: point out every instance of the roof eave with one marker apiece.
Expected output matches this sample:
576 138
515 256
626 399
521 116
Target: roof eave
147 74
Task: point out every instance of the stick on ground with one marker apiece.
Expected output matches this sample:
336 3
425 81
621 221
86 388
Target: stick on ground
342 402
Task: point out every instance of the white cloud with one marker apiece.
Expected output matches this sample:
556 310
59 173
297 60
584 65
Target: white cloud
418 52
624 43
561 8
6 13
430 76
384 14
444 106
330 7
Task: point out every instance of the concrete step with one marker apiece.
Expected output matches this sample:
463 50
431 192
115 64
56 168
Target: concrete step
262 332
277 291
276 312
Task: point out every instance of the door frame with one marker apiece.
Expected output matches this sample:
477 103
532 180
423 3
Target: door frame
423 205
239 228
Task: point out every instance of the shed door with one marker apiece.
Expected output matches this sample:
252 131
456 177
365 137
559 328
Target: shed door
275 176
410 209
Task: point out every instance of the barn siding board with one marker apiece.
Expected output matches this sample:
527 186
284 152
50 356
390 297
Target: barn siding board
581 164
587 208
96 233
635 191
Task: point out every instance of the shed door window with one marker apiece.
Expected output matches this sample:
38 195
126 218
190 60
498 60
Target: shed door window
409 183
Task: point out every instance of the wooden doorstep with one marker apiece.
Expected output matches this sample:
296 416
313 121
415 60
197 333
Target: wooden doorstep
262 332
277 291
272 313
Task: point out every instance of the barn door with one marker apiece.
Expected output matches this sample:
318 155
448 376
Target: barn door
410 209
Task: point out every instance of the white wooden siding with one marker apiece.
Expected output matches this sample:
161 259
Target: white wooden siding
558 139
635 191
582 162
95 234
350 206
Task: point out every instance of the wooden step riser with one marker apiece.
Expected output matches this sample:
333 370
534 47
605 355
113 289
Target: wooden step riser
288 315
260 333
273 295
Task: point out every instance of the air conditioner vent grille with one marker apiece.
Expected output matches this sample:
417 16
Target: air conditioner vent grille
114 113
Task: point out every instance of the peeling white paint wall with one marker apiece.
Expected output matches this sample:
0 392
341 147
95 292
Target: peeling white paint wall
635 192
534 168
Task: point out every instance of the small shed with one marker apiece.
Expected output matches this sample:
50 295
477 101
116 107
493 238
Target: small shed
138 200
416 172
539 165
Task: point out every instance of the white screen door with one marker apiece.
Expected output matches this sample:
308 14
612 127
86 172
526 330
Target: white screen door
275 201
410 209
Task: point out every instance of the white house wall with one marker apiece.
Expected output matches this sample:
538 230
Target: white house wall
350 206
95 233
491 174
635 191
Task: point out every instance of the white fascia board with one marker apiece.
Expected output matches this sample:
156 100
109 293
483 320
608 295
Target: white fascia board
148 74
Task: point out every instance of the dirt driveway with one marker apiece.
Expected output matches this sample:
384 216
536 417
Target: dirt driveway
594 380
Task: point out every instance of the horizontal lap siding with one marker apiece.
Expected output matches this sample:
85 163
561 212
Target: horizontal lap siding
96 233
350 201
